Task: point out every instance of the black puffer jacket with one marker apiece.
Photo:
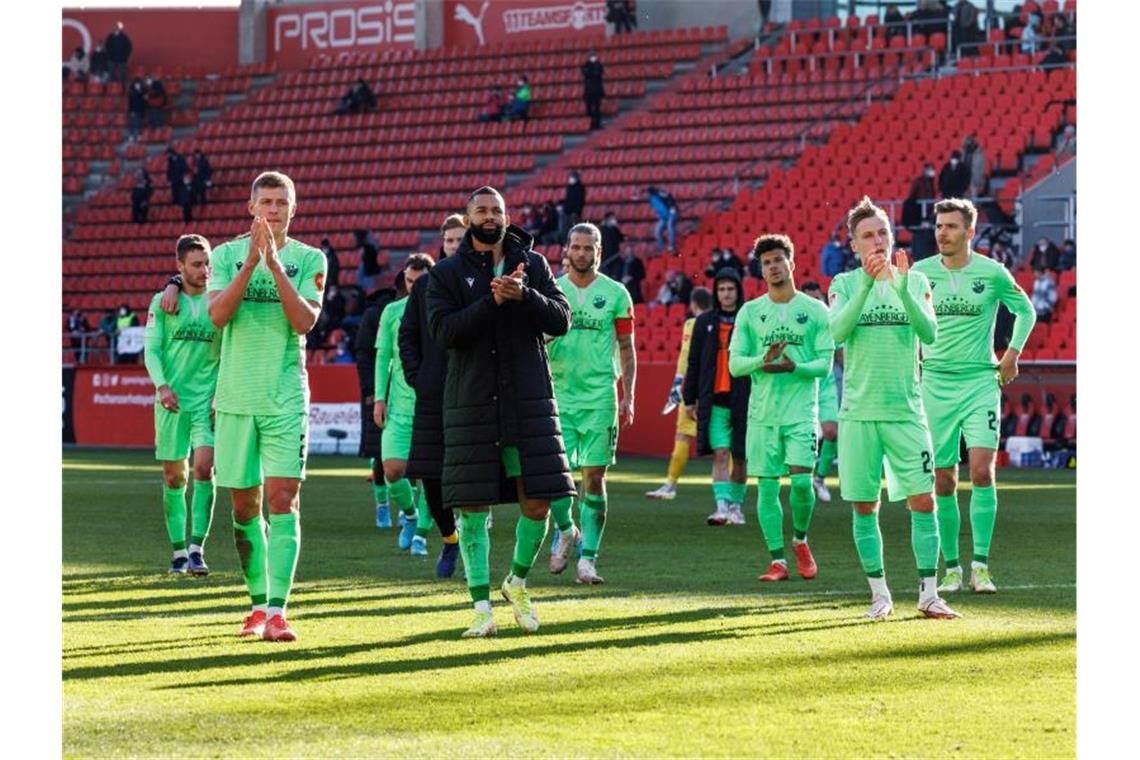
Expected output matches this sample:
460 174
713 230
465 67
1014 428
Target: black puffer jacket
498 390
700 378
425 369
365 369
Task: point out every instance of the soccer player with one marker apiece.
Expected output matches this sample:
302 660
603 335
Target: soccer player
962 379
719 401
699 302
582 365
782 340
265 294
828 411
882 313
181 357
490 305
394 410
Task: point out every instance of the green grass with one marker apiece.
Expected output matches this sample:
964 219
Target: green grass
682 652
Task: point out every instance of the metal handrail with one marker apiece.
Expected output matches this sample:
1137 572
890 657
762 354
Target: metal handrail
795 34
1040 43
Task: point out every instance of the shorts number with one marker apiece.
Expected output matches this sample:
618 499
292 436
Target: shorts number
926 462
613 438
992 417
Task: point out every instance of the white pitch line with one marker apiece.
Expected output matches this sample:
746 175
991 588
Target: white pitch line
1029 587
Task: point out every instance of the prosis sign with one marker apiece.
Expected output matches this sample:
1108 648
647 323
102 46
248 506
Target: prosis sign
297 33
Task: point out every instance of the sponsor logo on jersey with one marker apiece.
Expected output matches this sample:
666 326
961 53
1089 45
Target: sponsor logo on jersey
802 317
599 302
977 286
884 315
953 306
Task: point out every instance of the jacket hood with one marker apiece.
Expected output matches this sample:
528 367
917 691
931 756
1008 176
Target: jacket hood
728 273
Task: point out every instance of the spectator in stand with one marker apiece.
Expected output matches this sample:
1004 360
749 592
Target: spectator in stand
1044 294
1001 253
675 289
895 21
202 177
118 47
1066 143
332 273
108 329
547 222
930 17
176 169
1054 56
493 106
622 14
954 179
612 236
79 65
124 318
359 99
1031 34
156 102
77 328
140 197
1045 255
722 259
369 265
519 107
100 67
965 30
974 159
831 257
1061 27
665 206
184 197
136 108
527 218
921 189
573 204
629 271
594 89
1067 258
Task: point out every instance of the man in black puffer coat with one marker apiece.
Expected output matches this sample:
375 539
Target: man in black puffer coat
490 305
720 400
425 369
365 370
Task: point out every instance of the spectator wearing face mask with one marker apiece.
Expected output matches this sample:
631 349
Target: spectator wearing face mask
594 89
954 179
922 188
573 204
1045 255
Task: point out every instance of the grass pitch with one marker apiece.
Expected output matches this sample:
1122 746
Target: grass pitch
682 652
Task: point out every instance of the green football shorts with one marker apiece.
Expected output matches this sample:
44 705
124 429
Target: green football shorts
590 436
862 448
828 400
720 427
251 447
176 434
957 406
773 448
396 438
511 464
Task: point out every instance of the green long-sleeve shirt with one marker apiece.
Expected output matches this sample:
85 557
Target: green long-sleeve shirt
400 397
182 350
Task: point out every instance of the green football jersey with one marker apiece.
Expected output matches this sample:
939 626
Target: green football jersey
263 359
966 302
881 354
182 350
582 362
789 397
400 396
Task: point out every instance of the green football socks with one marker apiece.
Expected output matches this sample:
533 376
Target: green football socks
424 521
249 538
924 542
201 511
949 524
868 543
529 535
983 515
770 514
802 500
475 548
722 490
174 504
737 491
827 451
560 511
593 524
284 549
401 496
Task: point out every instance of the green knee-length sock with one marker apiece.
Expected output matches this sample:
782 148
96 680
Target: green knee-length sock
869 543
529 535
593 524
737 492
174 504
201 511
475 547
722 490
401 496
983 516
249 538
802 501
770 514
561 511
949 523
379 487
827 451
424 522
284 549
924 541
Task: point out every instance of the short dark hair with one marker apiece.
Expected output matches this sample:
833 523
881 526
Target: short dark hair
962 205
419 262
273 179
485 190
701 297
766 243
191 242
811 285
453 221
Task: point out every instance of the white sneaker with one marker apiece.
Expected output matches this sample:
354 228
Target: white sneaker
821 491
521 605
483 625
560 552
881 607
735 515
935 607
951 582
666 492
720 516
981 580
588 573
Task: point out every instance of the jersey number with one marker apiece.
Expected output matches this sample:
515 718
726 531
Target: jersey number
992 417
926 462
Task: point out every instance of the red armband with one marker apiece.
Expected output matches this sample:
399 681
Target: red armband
623 326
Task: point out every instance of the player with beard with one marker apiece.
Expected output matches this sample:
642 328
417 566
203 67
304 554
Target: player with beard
583 368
